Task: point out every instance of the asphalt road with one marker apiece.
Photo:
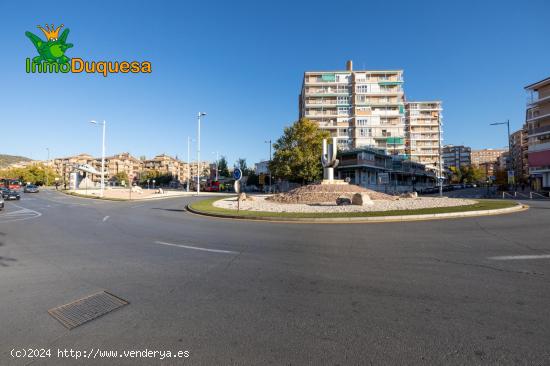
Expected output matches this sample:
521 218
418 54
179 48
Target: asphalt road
260 293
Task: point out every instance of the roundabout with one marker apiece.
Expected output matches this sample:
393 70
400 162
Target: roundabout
260 208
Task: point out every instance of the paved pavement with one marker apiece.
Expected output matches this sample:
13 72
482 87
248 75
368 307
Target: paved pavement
455 292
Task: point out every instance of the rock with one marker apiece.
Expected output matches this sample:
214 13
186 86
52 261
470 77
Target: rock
361 199
409 195
343 201
242 196
137 189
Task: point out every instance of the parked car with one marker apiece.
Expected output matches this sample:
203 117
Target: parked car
1 203
11 195
3 191
30 188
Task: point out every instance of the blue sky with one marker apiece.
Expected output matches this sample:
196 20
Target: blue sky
242 62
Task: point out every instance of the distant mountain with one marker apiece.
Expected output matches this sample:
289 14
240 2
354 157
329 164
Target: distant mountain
6 160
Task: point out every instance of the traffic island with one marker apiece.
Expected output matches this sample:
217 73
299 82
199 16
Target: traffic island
217 207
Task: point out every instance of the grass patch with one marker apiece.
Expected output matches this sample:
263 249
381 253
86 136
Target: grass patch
94 197
206 206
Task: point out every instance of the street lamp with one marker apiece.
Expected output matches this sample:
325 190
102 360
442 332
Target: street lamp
47 165
217 159
189 139
102 156
268 168
199 115
507 123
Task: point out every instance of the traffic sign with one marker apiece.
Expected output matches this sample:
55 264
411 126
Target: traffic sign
237 174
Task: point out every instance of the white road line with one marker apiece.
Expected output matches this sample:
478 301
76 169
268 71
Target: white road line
20 215
197 248
516 257
106 218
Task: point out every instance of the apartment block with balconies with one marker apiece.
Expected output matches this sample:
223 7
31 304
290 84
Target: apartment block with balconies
360 108
538 133
455 156
423 135
520 164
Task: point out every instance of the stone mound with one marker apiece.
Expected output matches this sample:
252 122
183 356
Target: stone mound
326 193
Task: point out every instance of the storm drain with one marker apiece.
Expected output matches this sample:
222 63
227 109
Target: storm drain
83 310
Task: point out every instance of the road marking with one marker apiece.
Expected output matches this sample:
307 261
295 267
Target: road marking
19 215
516 257
197 248
106 218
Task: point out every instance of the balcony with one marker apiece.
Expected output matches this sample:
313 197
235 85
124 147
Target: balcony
321 114
329 91
534 99
539 147
531 132
320 102
535 116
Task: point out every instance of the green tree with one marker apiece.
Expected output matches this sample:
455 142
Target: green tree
297 153
35 174
121 177
241 164
223 170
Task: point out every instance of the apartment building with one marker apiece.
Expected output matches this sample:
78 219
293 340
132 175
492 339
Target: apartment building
538 133
423 132
367 108
132 166
456 156
483 156
519 144
361 108
64 166
123 163
166 164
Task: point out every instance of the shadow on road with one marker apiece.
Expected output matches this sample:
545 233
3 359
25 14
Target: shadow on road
169 209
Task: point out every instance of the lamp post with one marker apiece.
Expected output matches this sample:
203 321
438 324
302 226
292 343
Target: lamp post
188 162
102 156
47 165
268 168
217 159
199 115
507 123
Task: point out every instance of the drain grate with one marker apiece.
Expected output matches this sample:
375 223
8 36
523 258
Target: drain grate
83 310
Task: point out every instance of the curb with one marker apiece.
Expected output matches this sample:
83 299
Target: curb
375 219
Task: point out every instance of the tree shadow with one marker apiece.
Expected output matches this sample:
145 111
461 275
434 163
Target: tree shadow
4 261
169 209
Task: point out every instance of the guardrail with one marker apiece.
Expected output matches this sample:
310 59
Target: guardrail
531 195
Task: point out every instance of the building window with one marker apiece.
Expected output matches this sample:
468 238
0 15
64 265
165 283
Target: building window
362 88
343 100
